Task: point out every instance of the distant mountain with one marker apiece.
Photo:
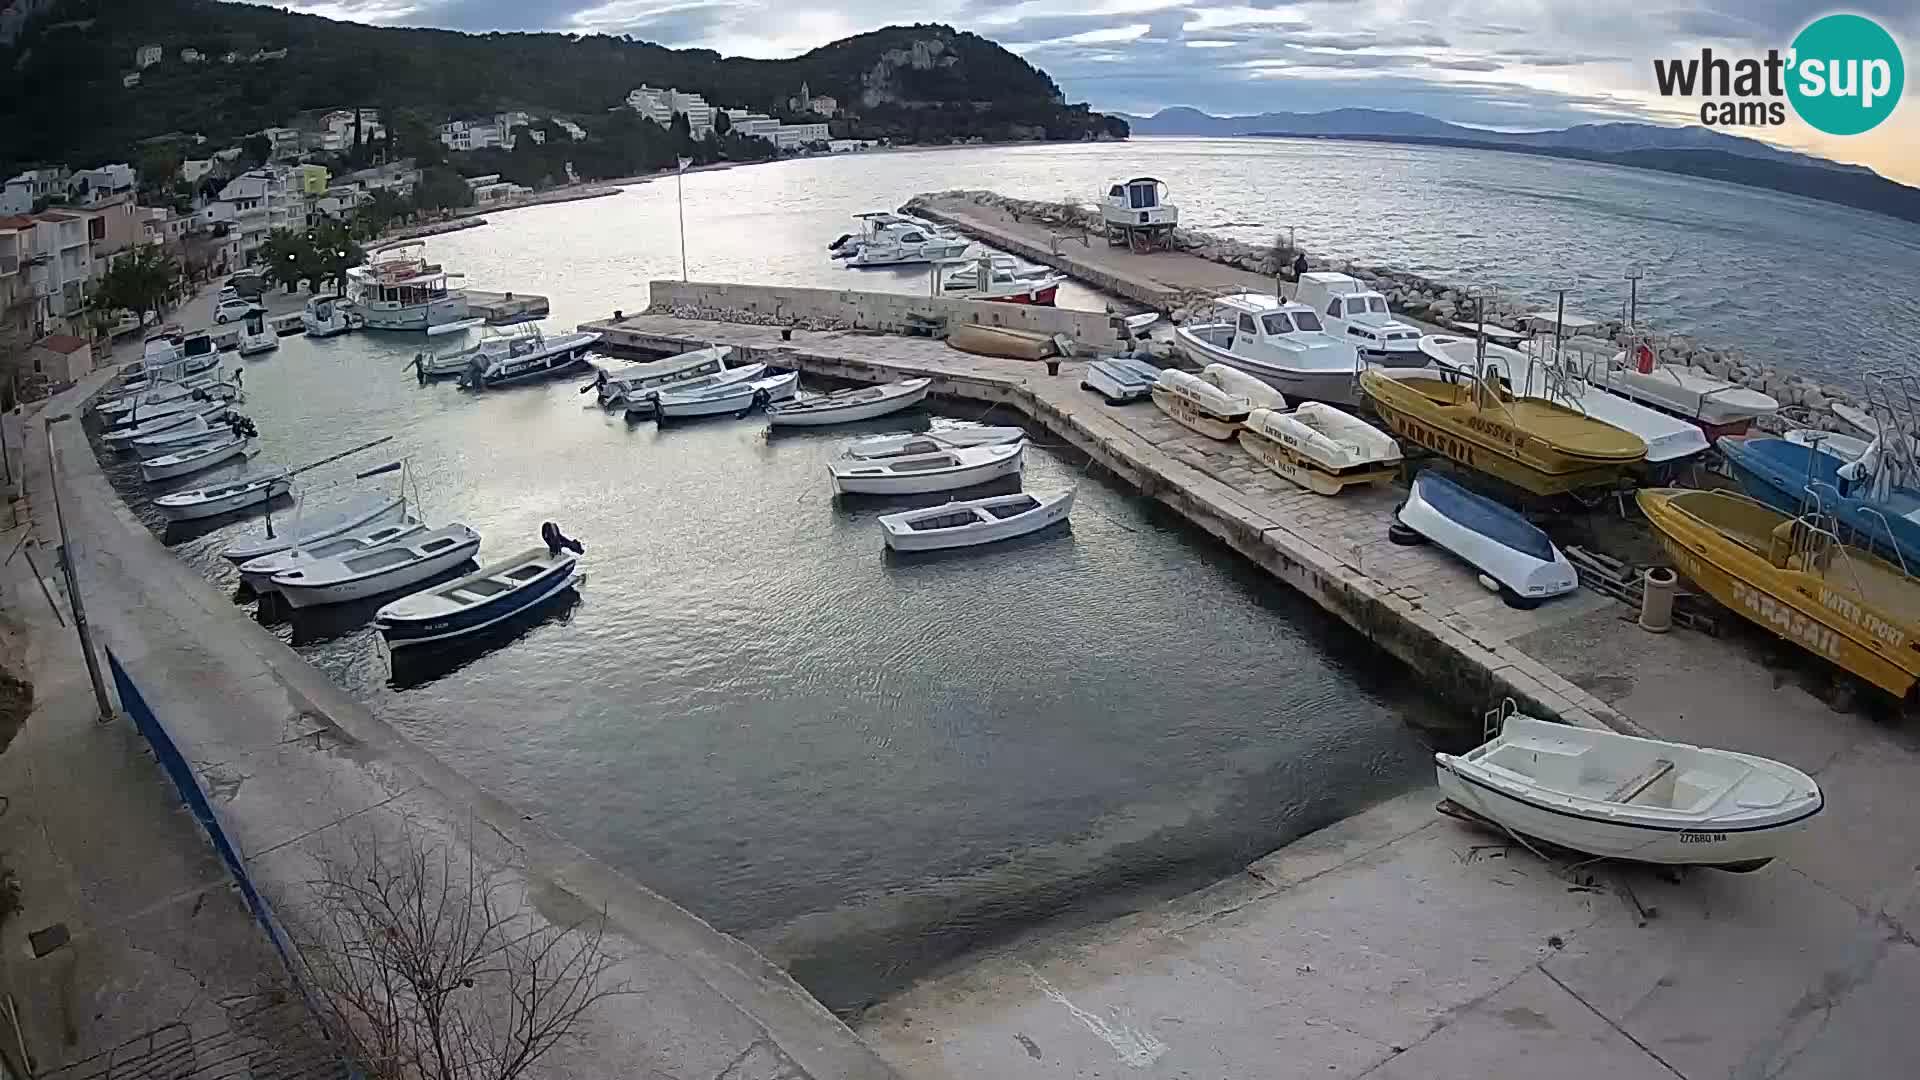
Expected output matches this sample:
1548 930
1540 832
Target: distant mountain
1616 138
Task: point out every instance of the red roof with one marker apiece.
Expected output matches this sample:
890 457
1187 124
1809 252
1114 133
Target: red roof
62 343
15 221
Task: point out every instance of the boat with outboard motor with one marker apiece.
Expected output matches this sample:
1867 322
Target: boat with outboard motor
521 354
494 593
619 387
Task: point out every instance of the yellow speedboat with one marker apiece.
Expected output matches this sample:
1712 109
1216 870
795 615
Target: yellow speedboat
1533 444
1793 576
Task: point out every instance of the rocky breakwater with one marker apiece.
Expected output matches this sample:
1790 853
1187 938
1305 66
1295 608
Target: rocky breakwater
1804 402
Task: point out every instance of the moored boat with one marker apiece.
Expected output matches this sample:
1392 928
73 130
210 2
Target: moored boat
919 474
356 513
1120 379
926 442
848 406
123 438
726 398
246 493
326 316
623 386
889 239
974 521
398 289
258 572
523 355
1200 405
194 432
287 325
1004 279
383 569
1320 448
256 337
195 459
1492 538
646 403
492 594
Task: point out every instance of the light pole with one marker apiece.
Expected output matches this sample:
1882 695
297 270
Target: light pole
680 196
1633 295
100 697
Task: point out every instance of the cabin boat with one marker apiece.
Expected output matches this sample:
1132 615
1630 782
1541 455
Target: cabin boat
397 565
1360 315
920 474
1615 796
1509 550
196 458
1789 477
1199 404
247 493
891 240
490 595
1005 279
1137 215
882 446
1283 344
523 355
400 290
726 398
255 336
326 316
307 529
973 522
1793 576
1120 379
1538 446
849 406
629 384
1718 406
1320 448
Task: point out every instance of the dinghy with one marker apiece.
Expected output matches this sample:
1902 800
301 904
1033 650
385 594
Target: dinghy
309 529
370 573
1001 341
728 398
1240 384
258 572
643 403
496 592
1200 405
210 408
926 442
1507 548
847 406
917 474
974 521
195 459
1120 379
253 492
1616 796
173 440
142 392
1320 448
165 401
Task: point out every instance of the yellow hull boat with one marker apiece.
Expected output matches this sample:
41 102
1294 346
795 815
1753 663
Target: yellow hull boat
1535 445
1794 578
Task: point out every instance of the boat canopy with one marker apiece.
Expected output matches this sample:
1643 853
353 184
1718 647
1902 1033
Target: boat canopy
1572 324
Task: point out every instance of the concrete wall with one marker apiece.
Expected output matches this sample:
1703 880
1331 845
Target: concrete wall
860 310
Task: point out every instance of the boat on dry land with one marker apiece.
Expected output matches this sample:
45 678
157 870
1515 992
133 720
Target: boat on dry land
1278 342
1120 379
1001 341
1320 448
1716 405
1199 404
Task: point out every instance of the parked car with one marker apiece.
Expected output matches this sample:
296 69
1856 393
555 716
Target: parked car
232 309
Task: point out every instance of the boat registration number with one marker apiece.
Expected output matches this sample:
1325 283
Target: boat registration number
1703 837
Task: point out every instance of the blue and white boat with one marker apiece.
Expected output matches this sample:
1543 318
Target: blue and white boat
1120 379
1788 476
1494 539
490 595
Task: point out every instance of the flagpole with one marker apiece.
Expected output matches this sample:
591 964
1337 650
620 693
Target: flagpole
680 188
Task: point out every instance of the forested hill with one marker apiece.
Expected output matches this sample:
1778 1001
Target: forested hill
62 98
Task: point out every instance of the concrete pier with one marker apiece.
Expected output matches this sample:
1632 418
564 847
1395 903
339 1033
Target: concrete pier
504 307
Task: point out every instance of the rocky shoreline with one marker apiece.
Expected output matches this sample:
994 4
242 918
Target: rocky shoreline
1804 403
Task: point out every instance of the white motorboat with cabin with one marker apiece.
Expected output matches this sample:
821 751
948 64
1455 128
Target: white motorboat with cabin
1617 796
1120 379
197 458
307 529
491 595
622 386
1320 448
1351 310
258 571
1509 550
256 336
327 316
1278 342
381 570
247 493
725 398
926 442
971 522
1003 278
524 354
1199 404
919 474
1716 405
890 240
400 290
848 406
1137 215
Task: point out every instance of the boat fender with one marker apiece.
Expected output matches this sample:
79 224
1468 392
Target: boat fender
555 540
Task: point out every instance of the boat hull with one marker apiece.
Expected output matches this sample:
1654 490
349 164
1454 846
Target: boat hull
739 398
1471 527
357 516
1309 473
402 632
1003 342
1120 381
1333 387
927 483
901 537
304 596
569 362
237 501
852 411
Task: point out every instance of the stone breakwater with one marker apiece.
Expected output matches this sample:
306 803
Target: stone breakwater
1804 402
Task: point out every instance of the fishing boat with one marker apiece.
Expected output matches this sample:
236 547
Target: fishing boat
400 290
1320 448
1617 796
1005 342
192 433
1789 476
251 492
156 390
1238 383
327 316
287 325
256 337
1508 549
646 403
122 438
259 571
726 398
1361 316
618 388
522 355
308 529
920 474
890 240
1793 576
1719 407
198 388
195 459
927 442
848 406
1004 279
162 417
974 521
1200 405
397 565
1282 344
1120 379
1538 446
494 593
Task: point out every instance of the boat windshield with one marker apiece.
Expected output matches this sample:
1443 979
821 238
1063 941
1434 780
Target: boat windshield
1309 322
1377 304
1278 323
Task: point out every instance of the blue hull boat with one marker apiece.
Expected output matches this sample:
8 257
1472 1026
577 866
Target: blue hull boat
482 599
1787 475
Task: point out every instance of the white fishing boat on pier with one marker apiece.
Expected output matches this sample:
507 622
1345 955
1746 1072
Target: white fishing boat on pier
1360 315
919 474
1320 448
1719 407
1137 215
400 290
1280 343
972 522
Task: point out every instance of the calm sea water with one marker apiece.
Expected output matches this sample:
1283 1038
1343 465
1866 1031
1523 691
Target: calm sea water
1808 286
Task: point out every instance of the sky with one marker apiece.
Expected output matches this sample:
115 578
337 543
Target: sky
1514 64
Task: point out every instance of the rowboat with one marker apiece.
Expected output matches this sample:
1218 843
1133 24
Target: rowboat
926 442
1617 796
1001 341
307 529
1120 379
258 572
490 595
1793 576
195 459
1320 448
1240 384
974 521
643 402
165 401
247 493
727 398
617 388
143 392
194 433
1200 405
122 438
209 408
1510 550
1538 446
917 474
848 406
384 569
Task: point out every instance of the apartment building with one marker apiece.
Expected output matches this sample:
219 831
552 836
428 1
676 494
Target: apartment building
660 105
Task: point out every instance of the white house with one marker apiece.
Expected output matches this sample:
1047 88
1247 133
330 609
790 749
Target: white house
192 56
337 129
21 192
92 187
792 136
574 131
193 170
470 135
260 201
147 55
285 140
660 105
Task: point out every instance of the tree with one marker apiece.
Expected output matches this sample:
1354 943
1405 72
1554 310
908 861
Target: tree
722 123
429 967
682 131
440 188
257 148
287 257
140 281
331 251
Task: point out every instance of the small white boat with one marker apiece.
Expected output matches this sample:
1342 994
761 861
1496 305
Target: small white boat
644 403
202 402
494 593
196 432
199 388
195 459
252 492
847 406
974 521
727 398
1320 448
1120 379
624 385
154 391
1004 279
307 529
1240 384
919 474
1719 406
523 355
1136 213
888 239
1507 549
926 442
258 572
1616 796
256 336
325 316
122 438
287 325
1276 341
1200 405
370 573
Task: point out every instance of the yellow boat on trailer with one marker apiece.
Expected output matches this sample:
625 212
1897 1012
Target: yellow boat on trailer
1793 576
1533 444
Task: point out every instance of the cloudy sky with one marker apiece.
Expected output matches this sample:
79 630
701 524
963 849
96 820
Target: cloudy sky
1495 63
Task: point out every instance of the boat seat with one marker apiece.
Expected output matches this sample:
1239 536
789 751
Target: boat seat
1638 785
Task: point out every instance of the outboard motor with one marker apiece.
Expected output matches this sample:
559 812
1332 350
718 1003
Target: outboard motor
835 246
556 540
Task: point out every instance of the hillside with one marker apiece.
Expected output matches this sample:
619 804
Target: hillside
62 98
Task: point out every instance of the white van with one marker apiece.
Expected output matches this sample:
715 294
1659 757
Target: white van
1359 315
